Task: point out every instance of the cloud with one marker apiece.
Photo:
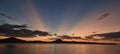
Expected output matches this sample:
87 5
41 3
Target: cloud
9 17
19 31
104 16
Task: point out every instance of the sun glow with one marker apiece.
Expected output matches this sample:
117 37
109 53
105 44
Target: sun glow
3 37
38 38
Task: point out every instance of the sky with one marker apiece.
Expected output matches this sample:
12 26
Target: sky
81 17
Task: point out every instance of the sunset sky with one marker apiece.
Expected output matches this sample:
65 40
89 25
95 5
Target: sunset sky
82 17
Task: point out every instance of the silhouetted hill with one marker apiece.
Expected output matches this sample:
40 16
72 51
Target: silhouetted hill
12 40
58 41
73 42
15 40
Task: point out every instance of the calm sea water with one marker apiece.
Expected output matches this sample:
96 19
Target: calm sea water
58 49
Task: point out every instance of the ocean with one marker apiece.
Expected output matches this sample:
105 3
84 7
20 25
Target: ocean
30 48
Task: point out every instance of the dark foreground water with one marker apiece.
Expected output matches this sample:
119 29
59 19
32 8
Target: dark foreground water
58 49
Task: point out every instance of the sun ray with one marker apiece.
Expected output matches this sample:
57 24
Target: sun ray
91 23
68 19
34 17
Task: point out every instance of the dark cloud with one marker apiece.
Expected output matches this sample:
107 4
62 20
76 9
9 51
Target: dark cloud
104 16
107 35
20 26
19 31
69 37
7 16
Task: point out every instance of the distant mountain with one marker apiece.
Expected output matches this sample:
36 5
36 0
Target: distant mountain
58 41
12 40
16 40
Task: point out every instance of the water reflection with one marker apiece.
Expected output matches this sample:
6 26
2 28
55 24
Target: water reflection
9 49
58 49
